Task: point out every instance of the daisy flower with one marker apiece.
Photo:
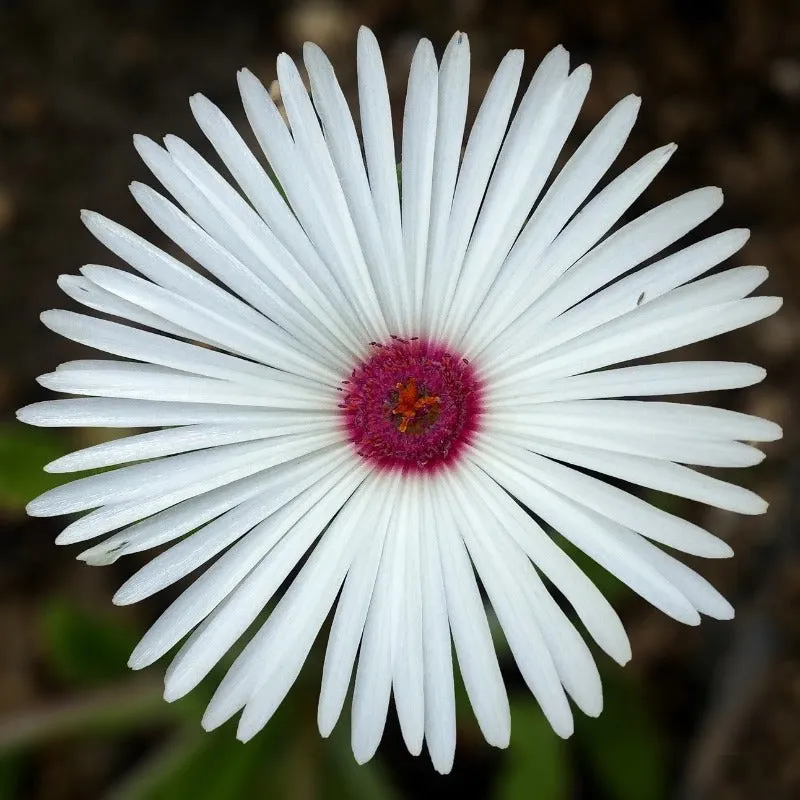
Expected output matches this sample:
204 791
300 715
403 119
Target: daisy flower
373 399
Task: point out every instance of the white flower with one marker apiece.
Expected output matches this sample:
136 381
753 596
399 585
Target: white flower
376 386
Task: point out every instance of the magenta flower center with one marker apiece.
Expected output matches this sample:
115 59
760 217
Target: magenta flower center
412 405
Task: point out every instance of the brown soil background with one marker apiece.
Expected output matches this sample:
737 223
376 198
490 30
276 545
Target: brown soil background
720 78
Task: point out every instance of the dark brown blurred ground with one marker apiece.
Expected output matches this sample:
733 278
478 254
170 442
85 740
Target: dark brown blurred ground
720 78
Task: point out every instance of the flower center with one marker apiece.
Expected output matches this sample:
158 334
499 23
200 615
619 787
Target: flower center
415 406
411 405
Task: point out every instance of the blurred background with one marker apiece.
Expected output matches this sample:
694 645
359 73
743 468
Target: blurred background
699 713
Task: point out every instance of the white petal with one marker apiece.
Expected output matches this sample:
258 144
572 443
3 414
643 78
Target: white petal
345 151
102 412
477 659
679 377
642 416
230 271
373 684
591 223
286 638
509 602
406 615
377 131
122 340
213 638
522 472
592 608
350 617
593 534
157 444
440 711
165 526
481 152
662 476
546 114
228 572
92 296
645 332
453 97
652 443
419 143
570 188
323 188
700 593
147 382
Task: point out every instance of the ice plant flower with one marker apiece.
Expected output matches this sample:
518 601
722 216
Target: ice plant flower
387 396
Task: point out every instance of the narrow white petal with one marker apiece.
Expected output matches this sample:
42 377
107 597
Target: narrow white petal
219 580
508 599
111 517
406 614
155 478
546 115
229 620
157 444
522 472
286 638
700 593
89 294
377 131
350 617
662 476
653 444
221 329
567 192
591 223
481 152
453 94
373 683
419 144
122 340
231 272
679 377
102 412
629 246
477 659
641 416
440 711
172 523
592 608
224 213
320 176
147 382
590 532
645 332
645 285
345 151
262 192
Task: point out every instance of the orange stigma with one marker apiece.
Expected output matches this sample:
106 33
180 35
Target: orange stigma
410 403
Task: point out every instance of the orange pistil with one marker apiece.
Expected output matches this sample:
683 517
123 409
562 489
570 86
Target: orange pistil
410 403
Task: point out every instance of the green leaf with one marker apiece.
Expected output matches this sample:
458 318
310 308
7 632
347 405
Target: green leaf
622 745
536 762
85 648
23 453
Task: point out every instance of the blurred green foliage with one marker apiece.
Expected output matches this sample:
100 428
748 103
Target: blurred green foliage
23 453
537 762
83 648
